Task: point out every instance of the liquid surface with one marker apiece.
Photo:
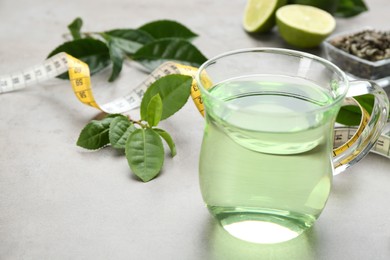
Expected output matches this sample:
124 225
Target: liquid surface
265 167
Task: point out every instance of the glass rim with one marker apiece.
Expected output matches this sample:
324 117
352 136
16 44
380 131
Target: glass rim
280 51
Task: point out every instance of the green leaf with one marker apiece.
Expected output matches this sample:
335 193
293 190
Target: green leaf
126 46
366 101
145 153
349 115
93 52
117 57
328 5
174 91
349 8
167 29
75 28
95 134
120 130
128 40
155 53
132 35
154 110
168 139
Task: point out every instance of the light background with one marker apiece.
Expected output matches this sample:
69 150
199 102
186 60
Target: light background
58 201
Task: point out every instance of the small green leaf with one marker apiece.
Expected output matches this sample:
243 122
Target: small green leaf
145 153
119 132
167 29
93 52
157 52
168 139
117 57
154 110
349 8
95 134
75 28
174 91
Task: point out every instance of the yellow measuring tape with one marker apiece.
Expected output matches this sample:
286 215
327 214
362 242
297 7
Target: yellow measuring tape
80 79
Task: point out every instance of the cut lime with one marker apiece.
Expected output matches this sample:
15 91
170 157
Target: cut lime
259 15
304 26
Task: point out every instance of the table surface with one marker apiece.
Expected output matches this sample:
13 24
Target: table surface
58 201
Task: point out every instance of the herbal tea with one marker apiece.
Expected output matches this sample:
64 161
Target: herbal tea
267 180
266 161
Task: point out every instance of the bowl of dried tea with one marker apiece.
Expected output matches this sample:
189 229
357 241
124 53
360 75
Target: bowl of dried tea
363 54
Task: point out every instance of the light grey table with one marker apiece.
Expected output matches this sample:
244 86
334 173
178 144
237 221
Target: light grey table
58 201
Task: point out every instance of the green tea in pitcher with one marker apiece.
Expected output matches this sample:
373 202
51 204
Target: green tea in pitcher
266 166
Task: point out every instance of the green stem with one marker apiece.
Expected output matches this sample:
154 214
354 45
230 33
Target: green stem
138 122
88 34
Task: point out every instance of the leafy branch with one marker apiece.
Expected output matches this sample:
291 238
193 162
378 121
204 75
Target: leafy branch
150 45
141 139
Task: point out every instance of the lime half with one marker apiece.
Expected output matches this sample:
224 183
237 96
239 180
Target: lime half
304 26
259 15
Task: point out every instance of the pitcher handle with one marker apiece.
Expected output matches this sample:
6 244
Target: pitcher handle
372 130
